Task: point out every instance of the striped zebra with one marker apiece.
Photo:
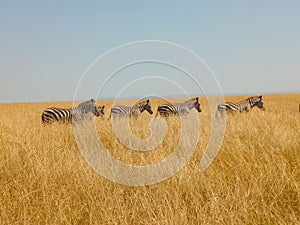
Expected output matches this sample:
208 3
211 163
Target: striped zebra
135 110
184 108
241 106
53 114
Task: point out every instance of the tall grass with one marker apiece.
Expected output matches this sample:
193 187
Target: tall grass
255 178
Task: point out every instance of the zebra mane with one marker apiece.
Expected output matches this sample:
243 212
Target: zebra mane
83 104
191 101
84 107
141 104
253 99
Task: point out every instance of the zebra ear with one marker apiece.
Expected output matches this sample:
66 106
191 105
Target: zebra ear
147 100
197 99
260 97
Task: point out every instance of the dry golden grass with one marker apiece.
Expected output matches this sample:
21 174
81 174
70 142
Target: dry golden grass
255 178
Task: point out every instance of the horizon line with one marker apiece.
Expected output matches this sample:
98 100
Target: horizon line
228 94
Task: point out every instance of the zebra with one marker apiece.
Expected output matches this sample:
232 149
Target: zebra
241 106
134 111
184 108
101 110
53 114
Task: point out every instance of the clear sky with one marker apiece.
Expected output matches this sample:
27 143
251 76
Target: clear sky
45 46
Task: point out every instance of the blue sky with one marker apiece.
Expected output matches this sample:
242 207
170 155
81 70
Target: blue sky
251 46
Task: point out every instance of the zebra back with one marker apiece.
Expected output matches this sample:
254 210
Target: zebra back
184 108
53 114
244 105
135 110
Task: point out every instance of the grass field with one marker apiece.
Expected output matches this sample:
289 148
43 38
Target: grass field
255 178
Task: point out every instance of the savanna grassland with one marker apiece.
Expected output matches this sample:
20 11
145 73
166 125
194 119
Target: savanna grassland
255 178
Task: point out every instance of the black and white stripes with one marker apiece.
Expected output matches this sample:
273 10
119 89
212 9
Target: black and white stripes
135 110
53 114
67 115
244 105
184 108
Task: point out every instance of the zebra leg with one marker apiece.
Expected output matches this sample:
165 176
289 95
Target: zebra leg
220 110
109 116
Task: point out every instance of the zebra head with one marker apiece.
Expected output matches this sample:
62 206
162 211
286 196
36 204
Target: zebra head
257 101
101 110
145 105
93 108
260 104
194 103
197 105
88 106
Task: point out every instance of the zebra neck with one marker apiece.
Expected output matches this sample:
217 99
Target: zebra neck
141 108
190 106
241 109
246 105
